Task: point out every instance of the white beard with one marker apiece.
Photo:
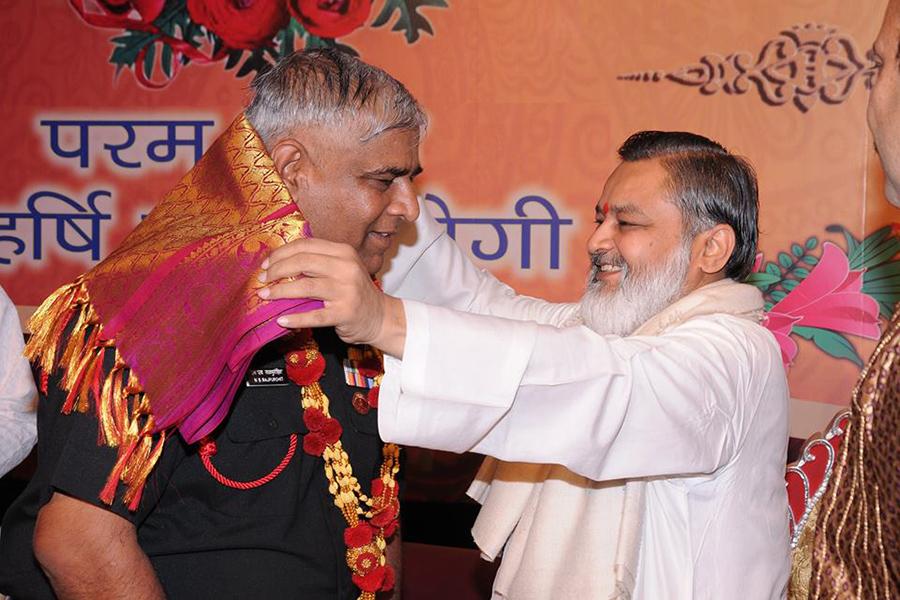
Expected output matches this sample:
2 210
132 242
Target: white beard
639 296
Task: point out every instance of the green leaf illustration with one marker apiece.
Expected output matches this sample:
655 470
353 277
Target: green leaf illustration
762 280
885 271
878 248
887 288
234 57
772 269
801 272
830 342
165 60
852 242
286 40
313 41
790 284
877 254
191 32
128 46
174 11
886 303
812 242
257 61
797 250
811 260
886 297
409 21
148 60
805 332
877 236
784 259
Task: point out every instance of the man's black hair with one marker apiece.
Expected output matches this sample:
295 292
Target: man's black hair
709 185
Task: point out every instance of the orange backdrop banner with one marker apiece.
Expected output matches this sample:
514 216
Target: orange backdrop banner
105 108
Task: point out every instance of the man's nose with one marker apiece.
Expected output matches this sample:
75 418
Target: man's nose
601 239
404 203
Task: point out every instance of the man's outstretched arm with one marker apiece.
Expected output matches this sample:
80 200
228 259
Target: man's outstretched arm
492 385
432 268
88 552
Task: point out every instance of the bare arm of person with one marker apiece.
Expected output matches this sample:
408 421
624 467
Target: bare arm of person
90 553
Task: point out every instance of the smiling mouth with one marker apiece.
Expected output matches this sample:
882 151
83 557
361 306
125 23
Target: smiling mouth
603 269
381 241
604 272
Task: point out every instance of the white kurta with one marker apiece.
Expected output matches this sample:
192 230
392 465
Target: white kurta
700 411
18 428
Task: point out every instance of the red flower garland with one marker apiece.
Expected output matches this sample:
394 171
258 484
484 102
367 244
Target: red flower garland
359 535
323 431
372 397
386 509
381 578
305 367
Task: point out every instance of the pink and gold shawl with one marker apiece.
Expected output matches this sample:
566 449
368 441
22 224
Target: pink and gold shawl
177 301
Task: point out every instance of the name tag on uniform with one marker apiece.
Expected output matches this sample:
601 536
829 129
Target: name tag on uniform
274 376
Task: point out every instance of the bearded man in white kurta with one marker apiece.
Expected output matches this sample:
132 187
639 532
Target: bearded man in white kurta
656 450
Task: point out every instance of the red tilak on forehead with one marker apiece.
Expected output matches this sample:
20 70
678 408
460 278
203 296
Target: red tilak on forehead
606 208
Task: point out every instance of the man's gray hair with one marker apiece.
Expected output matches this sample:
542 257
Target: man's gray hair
330 87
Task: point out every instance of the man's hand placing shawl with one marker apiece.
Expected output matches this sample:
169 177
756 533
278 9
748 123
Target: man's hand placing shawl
332 272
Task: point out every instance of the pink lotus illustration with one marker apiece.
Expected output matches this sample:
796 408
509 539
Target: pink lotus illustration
830 298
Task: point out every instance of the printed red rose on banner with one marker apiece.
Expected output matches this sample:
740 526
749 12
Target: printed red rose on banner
330 18
148 10
245 24
254 34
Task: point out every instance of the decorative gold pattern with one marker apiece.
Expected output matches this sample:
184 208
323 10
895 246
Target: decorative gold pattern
123 410
800 65
808 477
806 481
217 214
857 543
801 558
206 234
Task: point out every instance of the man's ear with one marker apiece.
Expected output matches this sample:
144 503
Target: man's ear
715 248
292 162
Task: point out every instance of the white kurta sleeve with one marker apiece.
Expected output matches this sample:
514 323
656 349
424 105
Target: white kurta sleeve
604 407
18 429
432 268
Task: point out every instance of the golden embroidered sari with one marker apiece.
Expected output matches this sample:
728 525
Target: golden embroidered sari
856 551
177 302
